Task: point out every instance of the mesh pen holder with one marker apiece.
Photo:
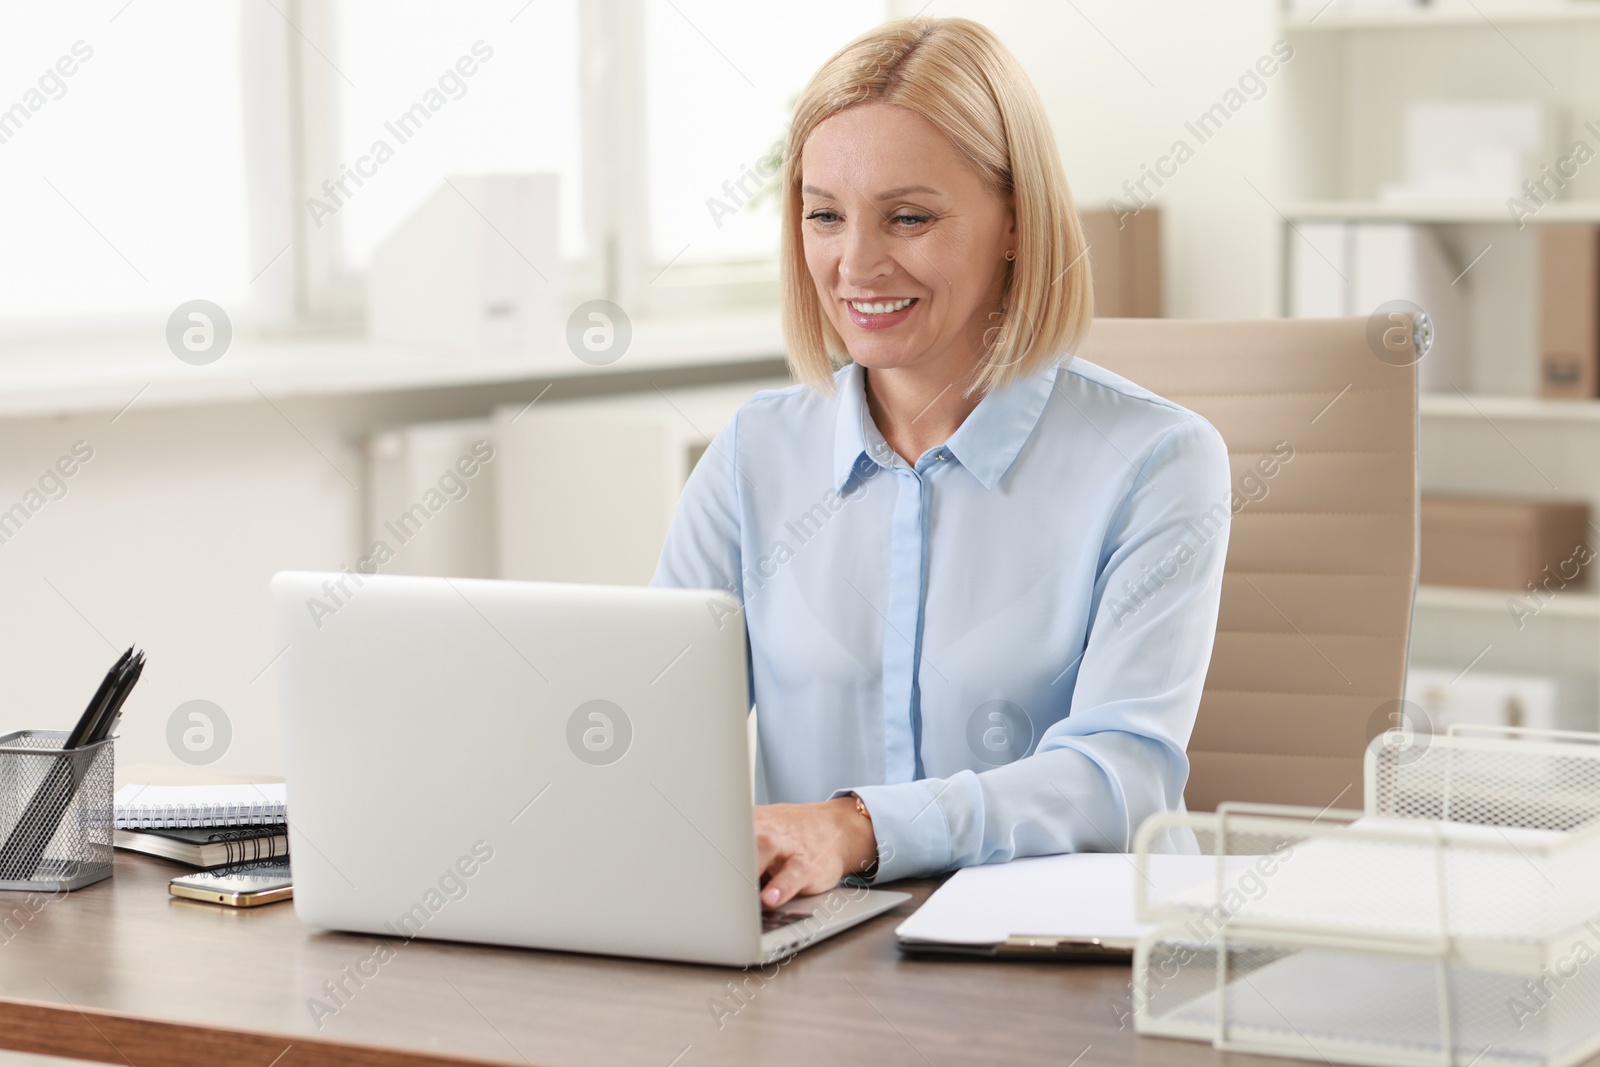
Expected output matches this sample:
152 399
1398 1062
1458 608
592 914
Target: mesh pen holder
56 815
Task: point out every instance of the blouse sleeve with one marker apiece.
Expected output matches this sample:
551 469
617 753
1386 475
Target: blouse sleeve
702 546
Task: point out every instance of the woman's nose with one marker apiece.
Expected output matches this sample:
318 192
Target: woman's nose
864 256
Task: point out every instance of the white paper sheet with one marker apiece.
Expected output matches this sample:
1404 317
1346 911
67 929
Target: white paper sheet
1082 895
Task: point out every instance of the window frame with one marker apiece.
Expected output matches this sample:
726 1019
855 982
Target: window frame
290 116
616 211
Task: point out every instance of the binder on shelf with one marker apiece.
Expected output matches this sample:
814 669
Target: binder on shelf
1319 271
1125 258
1569 312
1403 261
1353 268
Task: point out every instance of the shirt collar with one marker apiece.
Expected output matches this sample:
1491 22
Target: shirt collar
857 444
985 444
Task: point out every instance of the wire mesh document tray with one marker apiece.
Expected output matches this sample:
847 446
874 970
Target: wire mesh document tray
1455 920
56 824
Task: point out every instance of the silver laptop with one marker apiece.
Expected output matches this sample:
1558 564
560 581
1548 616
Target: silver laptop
520 763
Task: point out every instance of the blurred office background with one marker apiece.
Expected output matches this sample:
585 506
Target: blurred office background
312 284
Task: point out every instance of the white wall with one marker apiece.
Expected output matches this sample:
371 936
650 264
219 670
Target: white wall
1120 80
168 535
165 538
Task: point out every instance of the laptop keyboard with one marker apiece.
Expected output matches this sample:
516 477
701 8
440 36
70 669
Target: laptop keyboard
772 920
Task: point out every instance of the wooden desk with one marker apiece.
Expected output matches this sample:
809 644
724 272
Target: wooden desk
122 973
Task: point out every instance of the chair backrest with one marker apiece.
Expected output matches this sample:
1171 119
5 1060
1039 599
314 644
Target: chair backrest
1321 572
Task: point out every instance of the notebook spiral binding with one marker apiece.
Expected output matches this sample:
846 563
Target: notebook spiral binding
248 846
164 816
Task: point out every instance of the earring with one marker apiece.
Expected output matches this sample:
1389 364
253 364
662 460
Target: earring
1011 254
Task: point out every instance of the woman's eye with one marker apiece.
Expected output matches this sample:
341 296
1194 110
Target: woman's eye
903 220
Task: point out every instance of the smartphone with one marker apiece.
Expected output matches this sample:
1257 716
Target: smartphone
243 885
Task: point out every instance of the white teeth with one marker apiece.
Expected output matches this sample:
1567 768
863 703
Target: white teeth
881 308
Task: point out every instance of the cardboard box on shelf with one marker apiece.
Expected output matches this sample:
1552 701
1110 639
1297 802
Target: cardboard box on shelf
1126 261
1504 543
1569 312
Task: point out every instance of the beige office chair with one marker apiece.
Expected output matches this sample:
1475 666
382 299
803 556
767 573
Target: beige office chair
1322 567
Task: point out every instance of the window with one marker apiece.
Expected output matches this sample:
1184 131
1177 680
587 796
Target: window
155 153
516 111
721 78
122 162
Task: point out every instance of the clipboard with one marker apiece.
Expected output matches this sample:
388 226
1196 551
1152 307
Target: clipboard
1030 947
1070 908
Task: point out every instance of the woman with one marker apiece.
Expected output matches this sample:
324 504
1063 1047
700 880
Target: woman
978 617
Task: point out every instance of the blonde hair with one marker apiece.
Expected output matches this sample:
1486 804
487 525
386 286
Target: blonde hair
956 74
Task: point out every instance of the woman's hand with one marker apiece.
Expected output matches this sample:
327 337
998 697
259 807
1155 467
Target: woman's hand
807 848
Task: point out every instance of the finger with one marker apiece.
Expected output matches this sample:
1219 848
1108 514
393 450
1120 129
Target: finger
784 884
771 851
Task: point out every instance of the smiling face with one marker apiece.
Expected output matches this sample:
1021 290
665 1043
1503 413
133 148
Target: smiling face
904 241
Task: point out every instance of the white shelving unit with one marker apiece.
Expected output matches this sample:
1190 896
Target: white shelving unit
1451 13
1446 212
1349 83
1518 408
111 373
1492 601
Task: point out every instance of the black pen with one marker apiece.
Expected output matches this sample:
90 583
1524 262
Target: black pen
118 691
113 713
91 714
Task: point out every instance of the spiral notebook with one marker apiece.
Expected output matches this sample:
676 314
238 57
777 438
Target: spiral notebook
203 846
161 807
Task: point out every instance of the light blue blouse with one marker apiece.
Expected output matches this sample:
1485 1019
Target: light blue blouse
1000 648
